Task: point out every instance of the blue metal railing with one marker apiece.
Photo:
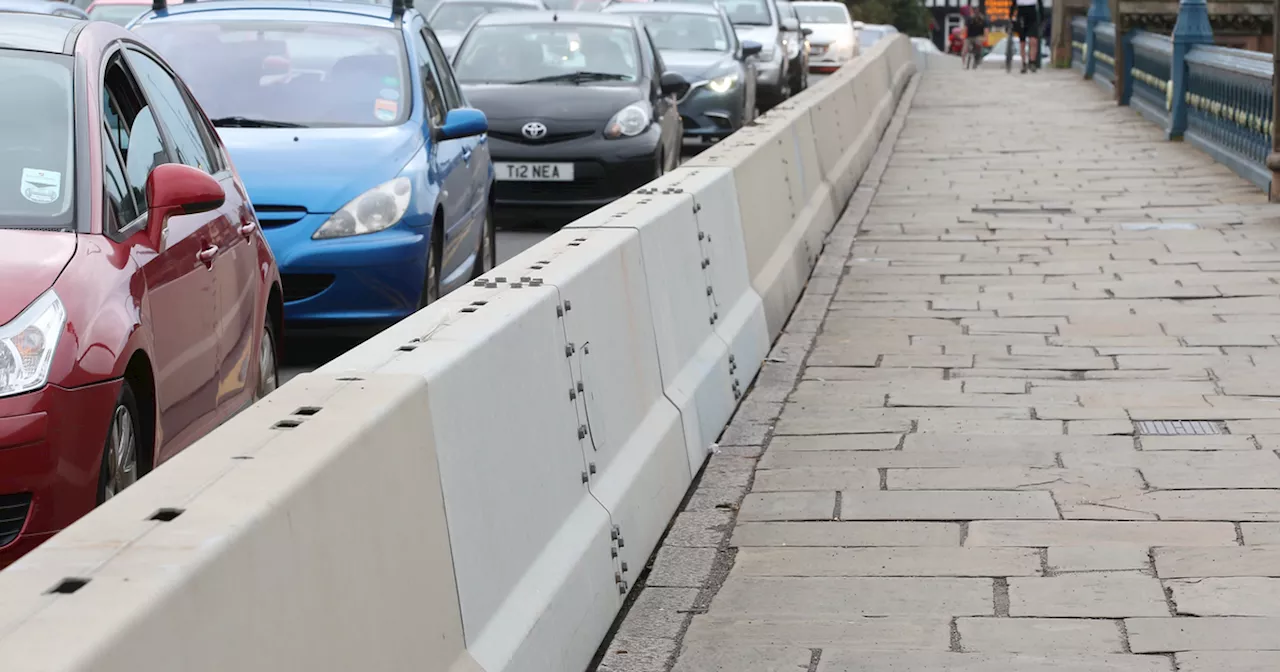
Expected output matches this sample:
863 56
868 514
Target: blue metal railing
1104 41
1079 33
1229 108
1152 88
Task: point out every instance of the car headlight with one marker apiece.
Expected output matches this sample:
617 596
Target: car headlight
374 210
722 84
629 122
27 345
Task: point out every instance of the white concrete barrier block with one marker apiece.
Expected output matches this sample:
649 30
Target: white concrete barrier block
288 560
637 440
693 360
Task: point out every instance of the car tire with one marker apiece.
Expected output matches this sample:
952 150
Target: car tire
487 250
120 465
431 279
268 363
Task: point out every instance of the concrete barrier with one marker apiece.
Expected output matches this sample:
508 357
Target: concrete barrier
476 488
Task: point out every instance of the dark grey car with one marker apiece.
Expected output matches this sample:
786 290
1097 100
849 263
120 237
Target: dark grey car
699 42
795 37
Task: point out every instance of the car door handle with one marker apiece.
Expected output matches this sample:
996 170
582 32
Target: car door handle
466 154
247 229
207 254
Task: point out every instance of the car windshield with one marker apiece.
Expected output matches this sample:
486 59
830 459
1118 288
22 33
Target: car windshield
692 32
457 16
741 12
829 12
558 53
288 73
36 141
118 14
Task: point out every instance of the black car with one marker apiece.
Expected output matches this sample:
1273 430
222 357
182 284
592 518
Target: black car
581 109
698 41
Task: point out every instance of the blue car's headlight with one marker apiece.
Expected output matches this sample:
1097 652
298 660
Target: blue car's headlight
374 210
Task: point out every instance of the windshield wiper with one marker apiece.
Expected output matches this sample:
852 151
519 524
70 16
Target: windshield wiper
577 77
247 122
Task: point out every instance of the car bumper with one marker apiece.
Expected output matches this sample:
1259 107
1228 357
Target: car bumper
51 444
368 279
707 114
830 59
769 77
603 170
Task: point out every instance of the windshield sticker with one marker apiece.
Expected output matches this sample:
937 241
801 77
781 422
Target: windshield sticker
391 81
41 186
384 110
389 94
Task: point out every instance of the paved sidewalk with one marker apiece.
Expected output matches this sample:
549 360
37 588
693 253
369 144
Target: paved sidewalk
971 470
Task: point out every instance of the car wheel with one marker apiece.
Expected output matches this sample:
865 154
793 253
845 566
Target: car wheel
487 252
268 368
119 467
431 281
804 78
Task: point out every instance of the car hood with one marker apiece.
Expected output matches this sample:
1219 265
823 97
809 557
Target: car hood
765 35
829 33
30 262
697 65
562 107
320 169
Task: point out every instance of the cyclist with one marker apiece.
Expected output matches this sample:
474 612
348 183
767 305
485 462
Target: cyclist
975 29
1027 23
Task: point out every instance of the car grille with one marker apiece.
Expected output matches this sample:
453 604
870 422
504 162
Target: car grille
279 215
549 138
299 286
13 515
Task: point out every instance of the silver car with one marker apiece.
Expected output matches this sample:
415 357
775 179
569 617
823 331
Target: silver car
833 41
450 19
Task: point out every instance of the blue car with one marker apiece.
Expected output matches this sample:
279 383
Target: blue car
369 172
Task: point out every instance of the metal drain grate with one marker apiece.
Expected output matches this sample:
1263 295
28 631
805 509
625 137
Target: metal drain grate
1178 427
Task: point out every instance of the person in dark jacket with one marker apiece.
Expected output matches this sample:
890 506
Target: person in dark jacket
975 38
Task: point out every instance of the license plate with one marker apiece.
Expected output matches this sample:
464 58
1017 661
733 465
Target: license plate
534 172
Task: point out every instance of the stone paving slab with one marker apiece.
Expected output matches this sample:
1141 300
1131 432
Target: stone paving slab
942 465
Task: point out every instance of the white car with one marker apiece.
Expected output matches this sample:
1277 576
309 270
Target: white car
870 33
833 41
925 45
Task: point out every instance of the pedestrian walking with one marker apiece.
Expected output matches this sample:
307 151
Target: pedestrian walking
975 25
1027 22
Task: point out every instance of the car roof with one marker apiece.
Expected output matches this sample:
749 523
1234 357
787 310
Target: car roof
121 2
34 32
549 16
663 8
369 13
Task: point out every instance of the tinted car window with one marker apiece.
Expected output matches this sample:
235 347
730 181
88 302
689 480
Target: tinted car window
123 209
741 12
307 74
430 87
36 140
128 122
694 32
444 74
172 109
548 52
118 14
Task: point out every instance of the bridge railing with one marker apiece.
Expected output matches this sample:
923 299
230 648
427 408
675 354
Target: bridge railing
1229 108
1216 98
1079 31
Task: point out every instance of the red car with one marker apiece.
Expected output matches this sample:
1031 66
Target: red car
140 303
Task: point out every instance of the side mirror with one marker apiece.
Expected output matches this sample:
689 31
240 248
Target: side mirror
751 48
674 84
463 122
175 189
807 31
790 25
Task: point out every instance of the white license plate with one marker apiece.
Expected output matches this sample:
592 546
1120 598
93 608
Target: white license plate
534 172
